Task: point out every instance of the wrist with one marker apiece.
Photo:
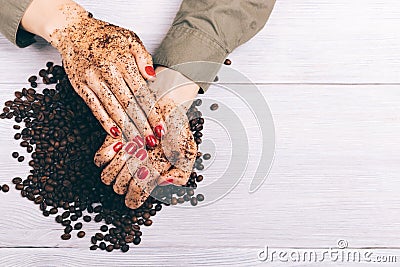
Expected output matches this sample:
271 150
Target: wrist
172 84
44 17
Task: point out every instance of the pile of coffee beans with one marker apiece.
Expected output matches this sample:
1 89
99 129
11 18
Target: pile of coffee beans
62 136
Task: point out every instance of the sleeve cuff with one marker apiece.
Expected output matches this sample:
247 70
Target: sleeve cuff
183 45
11 27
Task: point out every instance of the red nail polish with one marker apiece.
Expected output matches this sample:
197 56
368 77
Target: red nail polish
159 131
151 141
141 154
138 140
167 182
142 173
150 71
117 147
114 131
131 148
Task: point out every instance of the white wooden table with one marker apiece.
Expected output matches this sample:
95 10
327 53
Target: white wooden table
330 72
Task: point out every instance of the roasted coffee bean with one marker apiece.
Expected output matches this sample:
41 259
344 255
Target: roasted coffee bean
200 197
34 84
207 156
214 106
66 236
137 240
5 188
102 245
93 247
68 229
87 218
42 73
193 201
124 248
109 248
66 222
81 234
104 228
19 186
227 61
15 155
59 219
21 158
78 226
99 236
17 136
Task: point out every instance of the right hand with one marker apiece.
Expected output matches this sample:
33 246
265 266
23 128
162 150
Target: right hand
107 66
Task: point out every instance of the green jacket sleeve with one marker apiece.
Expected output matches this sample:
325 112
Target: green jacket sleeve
11 12
208 30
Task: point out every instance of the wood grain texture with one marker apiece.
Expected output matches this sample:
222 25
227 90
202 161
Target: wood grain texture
329 72
334 177
305 41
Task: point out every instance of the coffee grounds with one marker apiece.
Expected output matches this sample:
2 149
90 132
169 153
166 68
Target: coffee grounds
62 136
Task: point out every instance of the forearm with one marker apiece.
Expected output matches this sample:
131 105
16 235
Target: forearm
43 17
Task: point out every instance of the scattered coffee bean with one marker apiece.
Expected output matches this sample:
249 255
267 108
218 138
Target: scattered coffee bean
102 245
207 156
200 197
81 234
227 61
193 201
87 218
15 155
78 226
214 106
93 247
5 188
21 158
66 236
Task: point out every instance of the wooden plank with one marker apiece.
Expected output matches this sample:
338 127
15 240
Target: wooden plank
305 41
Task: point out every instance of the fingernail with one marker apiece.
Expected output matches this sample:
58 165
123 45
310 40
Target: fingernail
167 182
114 131
131 148
150 71
151 141
138 140
159 131
141 154
117 147
142 173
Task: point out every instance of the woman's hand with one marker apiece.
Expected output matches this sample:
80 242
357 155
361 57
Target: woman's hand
135 171
107 66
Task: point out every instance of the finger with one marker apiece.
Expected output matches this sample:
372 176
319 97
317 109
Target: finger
97 109
122 181
143 59
107 151
134 148
117 85
145 96
110 103
174 176
180 151
141 186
